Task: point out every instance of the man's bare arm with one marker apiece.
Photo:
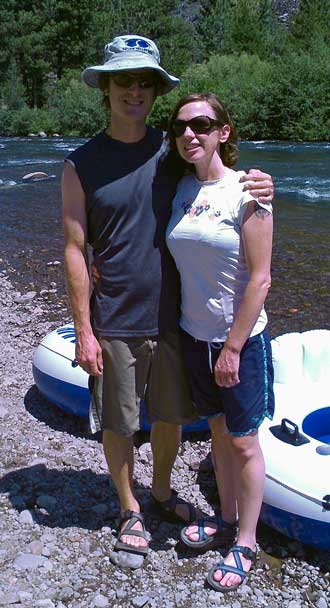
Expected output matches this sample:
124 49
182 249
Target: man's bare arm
88 350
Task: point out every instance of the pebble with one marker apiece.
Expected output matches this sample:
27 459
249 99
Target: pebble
7 599
100 601
26 517
140 601
28 561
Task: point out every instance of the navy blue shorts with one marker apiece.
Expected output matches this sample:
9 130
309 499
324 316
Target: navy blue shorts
244 405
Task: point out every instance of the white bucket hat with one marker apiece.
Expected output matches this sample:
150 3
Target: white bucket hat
129 53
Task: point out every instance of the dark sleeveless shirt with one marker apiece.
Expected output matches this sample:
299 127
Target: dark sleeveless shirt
129 189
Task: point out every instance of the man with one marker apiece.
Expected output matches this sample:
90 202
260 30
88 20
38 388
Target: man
117 192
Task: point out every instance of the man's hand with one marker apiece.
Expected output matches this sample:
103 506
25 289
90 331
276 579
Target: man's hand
89 353
95 275
259 184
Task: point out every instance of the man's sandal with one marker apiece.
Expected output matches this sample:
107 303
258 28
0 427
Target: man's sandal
238 569
166 509
132 517
224 535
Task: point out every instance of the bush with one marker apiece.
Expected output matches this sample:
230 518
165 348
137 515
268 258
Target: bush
76 108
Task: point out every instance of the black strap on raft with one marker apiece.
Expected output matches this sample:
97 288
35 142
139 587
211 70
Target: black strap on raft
288 432
326 502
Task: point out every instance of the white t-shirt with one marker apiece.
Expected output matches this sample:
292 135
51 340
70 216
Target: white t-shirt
204 237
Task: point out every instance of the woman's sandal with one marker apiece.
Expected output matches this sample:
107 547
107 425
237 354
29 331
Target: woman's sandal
224 535
165 509
132 517
238 569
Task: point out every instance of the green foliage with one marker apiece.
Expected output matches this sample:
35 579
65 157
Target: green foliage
310 27
162 109
13 91
181 48
76 108
240 26
25 121
303 81
274 78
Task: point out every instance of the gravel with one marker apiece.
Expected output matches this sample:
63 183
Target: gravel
59 509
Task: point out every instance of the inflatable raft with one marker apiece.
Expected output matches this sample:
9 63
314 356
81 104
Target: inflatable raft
64 383
296 444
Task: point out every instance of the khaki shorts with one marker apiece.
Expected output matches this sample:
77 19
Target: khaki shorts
141 368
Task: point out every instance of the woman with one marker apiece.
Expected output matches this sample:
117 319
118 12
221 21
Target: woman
221 240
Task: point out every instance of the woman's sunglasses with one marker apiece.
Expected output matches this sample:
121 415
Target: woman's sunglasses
199 125
145 81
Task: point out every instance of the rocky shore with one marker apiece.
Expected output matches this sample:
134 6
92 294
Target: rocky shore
58 506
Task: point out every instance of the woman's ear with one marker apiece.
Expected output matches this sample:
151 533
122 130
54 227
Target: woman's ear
224 133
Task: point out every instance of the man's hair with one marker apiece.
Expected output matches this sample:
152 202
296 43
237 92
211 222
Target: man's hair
104 80
229 149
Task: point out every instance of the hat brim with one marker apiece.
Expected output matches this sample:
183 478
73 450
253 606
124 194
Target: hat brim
130 62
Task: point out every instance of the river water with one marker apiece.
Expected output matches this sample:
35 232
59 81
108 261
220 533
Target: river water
31 231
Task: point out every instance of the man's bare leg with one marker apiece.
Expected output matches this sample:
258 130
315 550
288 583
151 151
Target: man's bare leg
120 458
165 441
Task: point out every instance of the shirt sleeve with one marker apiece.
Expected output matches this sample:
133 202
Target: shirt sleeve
245 198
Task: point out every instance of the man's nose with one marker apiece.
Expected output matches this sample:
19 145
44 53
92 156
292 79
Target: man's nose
135 87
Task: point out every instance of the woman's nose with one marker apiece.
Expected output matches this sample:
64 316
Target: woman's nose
188 132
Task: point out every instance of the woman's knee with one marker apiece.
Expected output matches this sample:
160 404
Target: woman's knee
246 447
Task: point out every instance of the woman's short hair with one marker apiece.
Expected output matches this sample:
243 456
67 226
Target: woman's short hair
229 149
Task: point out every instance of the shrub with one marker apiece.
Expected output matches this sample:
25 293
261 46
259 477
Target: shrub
76 108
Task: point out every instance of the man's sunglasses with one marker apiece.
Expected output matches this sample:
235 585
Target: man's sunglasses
199 125
145 81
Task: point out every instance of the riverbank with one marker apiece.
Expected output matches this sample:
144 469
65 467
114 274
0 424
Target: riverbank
59 507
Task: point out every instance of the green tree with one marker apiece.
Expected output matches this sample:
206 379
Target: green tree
180 48
310 26
13 90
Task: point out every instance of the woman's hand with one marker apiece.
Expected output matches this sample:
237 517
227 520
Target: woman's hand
226 367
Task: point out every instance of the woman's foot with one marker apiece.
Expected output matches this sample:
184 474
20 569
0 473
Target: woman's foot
229 574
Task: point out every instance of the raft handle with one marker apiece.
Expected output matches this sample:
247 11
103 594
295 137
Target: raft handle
288 432
326 502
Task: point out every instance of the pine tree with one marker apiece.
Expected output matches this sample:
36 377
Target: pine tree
310 26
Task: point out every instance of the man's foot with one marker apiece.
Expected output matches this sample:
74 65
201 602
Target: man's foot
174 509
229 574
209 533
132 543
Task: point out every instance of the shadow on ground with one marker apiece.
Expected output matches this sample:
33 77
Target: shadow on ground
57 419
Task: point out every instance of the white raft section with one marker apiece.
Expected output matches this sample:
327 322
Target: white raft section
297 489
